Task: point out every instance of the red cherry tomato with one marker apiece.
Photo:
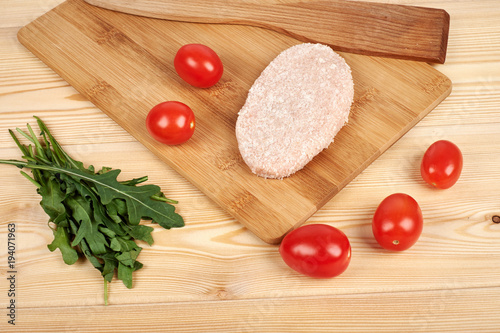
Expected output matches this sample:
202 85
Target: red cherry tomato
397 222
316 250
442 164
171 122
198 65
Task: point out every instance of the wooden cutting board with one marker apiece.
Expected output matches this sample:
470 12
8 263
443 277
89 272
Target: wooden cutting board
124 65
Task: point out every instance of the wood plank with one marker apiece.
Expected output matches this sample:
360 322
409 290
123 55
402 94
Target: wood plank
115 61
425 311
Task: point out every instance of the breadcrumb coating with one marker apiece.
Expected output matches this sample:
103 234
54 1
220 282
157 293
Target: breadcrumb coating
294 110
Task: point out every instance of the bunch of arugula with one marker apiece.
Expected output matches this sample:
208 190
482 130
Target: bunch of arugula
92 213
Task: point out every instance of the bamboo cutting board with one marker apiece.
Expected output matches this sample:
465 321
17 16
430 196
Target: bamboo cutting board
124 65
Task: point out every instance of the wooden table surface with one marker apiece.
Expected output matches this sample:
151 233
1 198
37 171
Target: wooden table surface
213 275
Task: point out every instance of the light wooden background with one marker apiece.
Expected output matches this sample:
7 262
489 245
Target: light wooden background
215 276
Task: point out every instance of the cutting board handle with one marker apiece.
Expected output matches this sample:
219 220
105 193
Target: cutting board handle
388 30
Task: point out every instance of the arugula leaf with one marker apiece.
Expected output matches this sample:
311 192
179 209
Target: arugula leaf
52 198
115 210
110 265
128 258
61 241
142 232
138 200
94 213
90 256
121 244
82 212
125 274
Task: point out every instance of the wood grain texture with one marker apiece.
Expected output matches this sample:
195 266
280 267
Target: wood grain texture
444 312
376 29
214 275
115 61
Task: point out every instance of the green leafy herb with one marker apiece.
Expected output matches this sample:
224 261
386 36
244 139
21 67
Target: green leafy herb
92 214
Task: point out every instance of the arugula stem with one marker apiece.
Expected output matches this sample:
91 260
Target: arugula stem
28 177
22 147
105 292
19 164
20 131
61 154
134 181
158 198
38 146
